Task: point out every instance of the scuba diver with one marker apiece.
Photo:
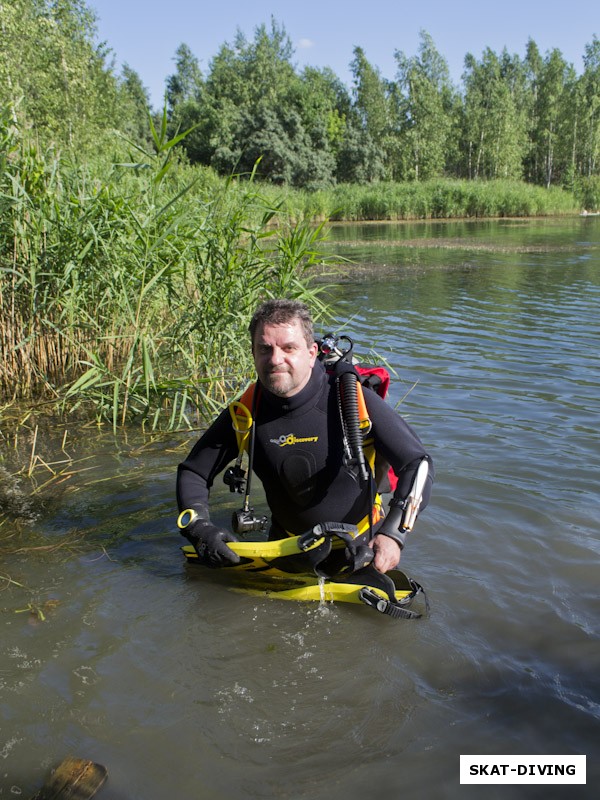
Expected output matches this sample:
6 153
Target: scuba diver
318 442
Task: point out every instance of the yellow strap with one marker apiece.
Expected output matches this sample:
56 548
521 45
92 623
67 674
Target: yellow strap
242 423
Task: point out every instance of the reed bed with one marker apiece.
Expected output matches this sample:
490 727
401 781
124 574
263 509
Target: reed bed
447 199
438 199
128 295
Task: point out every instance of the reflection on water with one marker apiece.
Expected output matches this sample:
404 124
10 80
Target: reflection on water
121 653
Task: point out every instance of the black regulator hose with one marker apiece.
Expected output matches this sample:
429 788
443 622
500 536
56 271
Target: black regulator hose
349 401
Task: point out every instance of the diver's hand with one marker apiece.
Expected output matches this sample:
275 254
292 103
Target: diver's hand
210 542
387 552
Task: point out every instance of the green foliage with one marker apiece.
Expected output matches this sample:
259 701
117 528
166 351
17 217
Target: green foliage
588 144
445 199
587 191
186 83
493 122
360 160
58 82
130 293
553 104
135 103
513 118
425 108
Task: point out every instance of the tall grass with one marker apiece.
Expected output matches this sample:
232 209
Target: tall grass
128 294
445 199
435 199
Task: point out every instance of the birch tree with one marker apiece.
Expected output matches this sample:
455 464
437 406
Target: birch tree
425 102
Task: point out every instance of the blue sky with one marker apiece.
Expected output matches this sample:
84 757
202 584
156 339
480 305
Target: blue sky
146 33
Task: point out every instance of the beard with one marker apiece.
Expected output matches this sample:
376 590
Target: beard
280 382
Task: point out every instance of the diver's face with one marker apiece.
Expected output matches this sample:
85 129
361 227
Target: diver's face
282 357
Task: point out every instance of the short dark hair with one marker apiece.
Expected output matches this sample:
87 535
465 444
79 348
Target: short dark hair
280 312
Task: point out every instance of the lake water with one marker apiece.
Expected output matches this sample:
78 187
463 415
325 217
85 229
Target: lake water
112 649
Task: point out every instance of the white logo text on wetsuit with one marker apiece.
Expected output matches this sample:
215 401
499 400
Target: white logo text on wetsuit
290 438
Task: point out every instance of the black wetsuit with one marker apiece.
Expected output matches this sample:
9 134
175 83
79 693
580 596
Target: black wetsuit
299 458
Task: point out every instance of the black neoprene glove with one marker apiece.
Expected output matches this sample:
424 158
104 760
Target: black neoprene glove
210 542
392 525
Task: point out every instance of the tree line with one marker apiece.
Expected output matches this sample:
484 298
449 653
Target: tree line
530 118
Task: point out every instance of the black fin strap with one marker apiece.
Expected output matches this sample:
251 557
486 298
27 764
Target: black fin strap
397 612
393 607
388 607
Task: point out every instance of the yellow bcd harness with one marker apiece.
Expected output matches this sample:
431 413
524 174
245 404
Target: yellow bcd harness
242 420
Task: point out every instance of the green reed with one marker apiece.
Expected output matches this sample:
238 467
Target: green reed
126 290
435 199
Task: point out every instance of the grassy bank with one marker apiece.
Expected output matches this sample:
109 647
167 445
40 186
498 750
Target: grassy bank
439 199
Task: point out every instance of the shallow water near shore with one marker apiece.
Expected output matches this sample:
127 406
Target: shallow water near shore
113 649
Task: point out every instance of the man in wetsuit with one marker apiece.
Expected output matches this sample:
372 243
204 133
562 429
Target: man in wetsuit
299 451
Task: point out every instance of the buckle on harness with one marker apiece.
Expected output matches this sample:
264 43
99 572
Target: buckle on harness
344 531
358 555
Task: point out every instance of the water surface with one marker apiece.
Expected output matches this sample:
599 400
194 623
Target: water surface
185 689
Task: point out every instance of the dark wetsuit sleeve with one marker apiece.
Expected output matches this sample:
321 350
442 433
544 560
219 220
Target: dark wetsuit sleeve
397 442
215 449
